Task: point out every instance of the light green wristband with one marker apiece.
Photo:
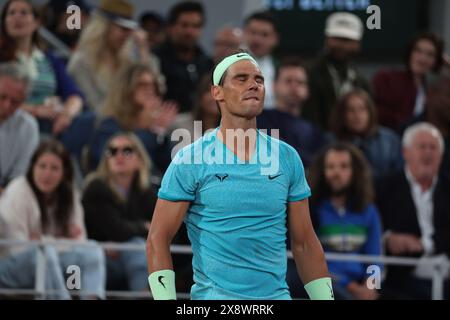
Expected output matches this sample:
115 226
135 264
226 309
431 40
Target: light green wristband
320 289
162 284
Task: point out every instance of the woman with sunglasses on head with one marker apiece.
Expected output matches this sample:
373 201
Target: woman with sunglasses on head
119 202
110 39
43 205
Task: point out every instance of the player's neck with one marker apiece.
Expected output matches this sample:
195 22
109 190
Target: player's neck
230 131
237 123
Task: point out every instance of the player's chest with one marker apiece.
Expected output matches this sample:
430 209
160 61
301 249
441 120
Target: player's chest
239 188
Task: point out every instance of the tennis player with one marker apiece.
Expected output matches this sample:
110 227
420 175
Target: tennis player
235 205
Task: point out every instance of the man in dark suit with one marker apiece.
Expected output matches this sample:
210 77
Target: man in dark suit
415 209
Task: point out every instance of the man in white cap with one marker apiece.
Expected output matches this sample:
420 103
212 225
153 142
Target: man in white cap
236 212
333 75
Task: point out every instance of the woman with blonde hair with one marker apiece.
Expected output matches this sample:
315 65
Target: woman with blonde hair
134 104
118 201
110 40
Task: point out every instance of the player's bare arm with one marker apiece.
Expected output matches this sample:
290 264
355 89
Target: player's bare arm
307 250
166 221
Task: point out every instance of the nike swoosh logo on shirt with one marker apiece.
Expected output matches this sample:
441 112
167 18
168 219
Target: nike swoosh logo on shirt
274 177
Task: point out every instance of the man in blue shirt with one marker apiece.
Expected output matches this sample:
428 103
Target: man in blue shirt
235 197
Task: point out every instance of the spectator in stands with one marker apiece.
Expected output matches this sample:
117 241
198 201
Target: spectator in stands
345 217
134 104
108 42
291 91
183 61
227 40
334 75
155 26
55 19
118 203
43 205
261 38
19 133
437 112
205 112
414 205
401 94
354 120
54 98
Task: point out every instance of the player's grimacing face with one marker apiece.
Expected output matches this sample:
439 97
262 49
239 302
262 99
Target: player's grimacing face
243 89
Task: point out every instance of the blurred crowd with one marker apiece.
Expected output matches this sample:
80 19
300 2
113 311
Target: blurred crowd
86 138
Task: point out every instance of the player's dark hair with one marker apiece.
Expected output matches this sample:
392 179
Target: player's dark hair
204 87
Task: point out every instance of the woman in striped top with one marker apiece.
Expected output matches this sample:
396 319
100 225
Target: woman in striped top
54 98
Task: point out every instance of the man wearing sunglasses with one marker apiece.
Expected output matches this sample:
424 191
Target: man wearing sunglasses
235 214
